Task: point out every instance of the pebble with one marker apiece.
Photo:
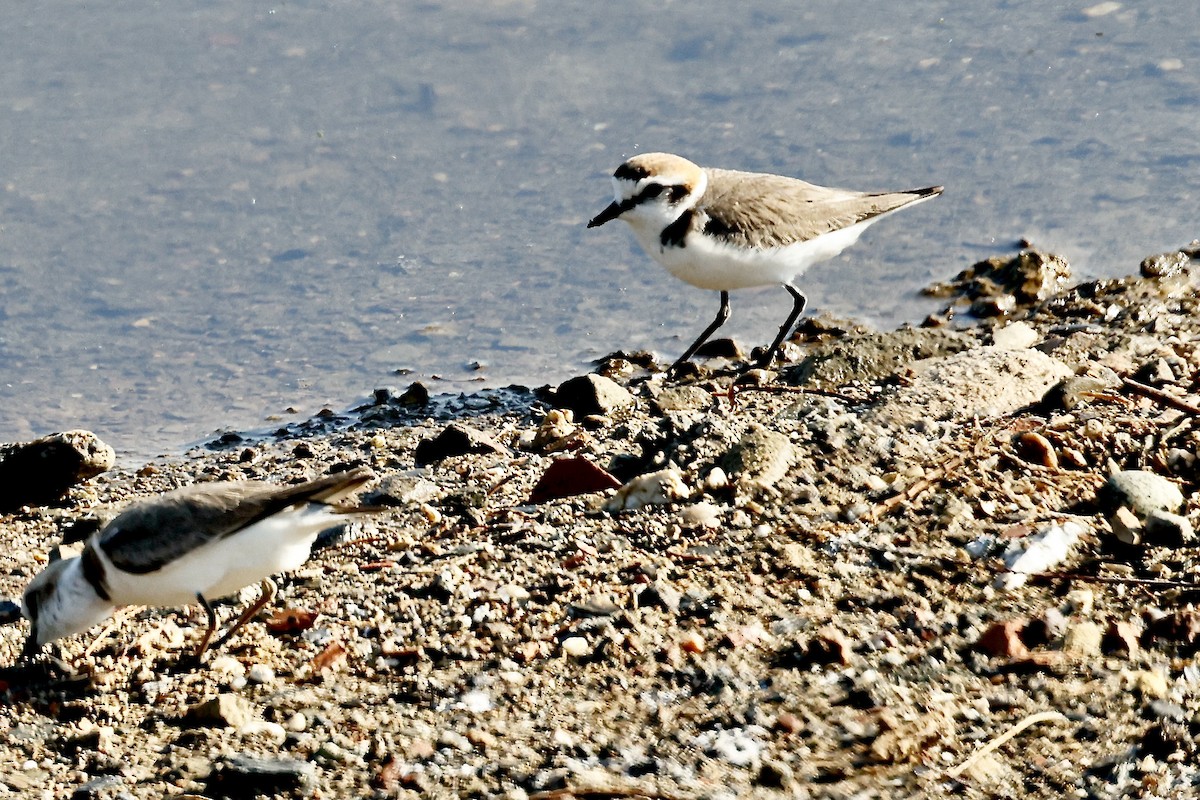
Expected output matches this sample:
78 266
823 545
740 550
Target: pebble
575 647
223 711
260 674
700 515
1083 640
296 723
1015 336
1126 526
692 642
655 488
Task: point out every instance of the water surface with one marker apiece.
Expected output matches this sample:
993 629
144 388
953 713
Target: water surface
218 212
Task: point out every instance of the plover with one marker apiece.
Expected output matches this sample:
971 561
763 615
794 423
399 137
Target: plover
721 229
190 545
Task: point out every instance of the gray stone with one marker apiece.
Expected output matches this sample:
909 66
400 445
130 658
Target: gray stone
242 776
983 382
872 356
99 787
592 394
1141 491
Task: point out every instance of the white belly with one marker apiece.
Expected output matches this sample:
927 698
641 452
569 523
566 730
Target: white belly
709 263
277 544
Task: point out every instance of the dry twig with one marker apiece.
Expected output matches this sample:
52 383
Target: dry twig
1033 719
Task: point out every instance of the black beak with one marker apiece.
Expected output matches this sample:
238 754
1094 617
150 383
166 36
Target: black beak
613 211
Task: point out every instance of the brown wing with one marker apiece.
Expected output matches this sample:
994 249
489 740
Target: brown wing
761 210
152 533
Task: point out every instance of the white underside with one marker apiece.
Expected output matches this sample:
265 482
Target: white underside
709 263
277 544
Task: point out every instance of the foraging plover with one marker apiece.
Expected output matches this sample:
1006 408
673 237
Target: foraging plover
721 229
189 545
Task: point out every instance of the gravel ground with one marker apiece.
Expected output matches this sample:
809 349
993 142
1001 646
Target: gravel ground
939 560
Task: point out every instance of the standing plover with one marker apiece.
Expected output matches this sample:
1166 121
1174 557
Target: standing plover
190 545
720 229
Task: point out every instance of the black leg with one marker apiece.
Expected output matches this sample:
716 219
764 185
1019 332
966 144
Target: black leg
267 593
799 302
212 625
722 316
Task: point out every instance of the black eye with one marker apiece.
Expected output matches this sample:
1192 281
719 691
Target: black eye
678 193
652 190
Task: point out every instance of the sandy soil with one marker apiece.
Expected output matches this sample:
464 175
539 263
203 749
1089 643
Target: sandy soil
811 587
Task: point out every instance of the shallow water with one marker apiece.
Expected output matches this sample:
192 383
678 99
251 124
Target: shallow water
214 212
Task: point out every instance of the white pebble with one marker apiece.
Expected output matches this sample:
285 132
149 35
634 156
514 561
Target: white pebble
260 674
575 646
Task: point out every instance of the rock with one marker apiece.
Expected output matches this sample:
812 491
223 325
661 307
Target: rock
1164 529
575 647
721 348
243 776
1151 683
1142 491
760 459
1029 277
692 642
223 711
655 488
414 396
1082 640
1126 526
1164 265
983 382
40 472
592 394
456 440
1015 336
700 515
868 357
400 489
568 477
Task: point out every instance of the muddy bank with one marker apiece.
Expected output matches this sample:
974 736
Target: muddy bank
850 577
